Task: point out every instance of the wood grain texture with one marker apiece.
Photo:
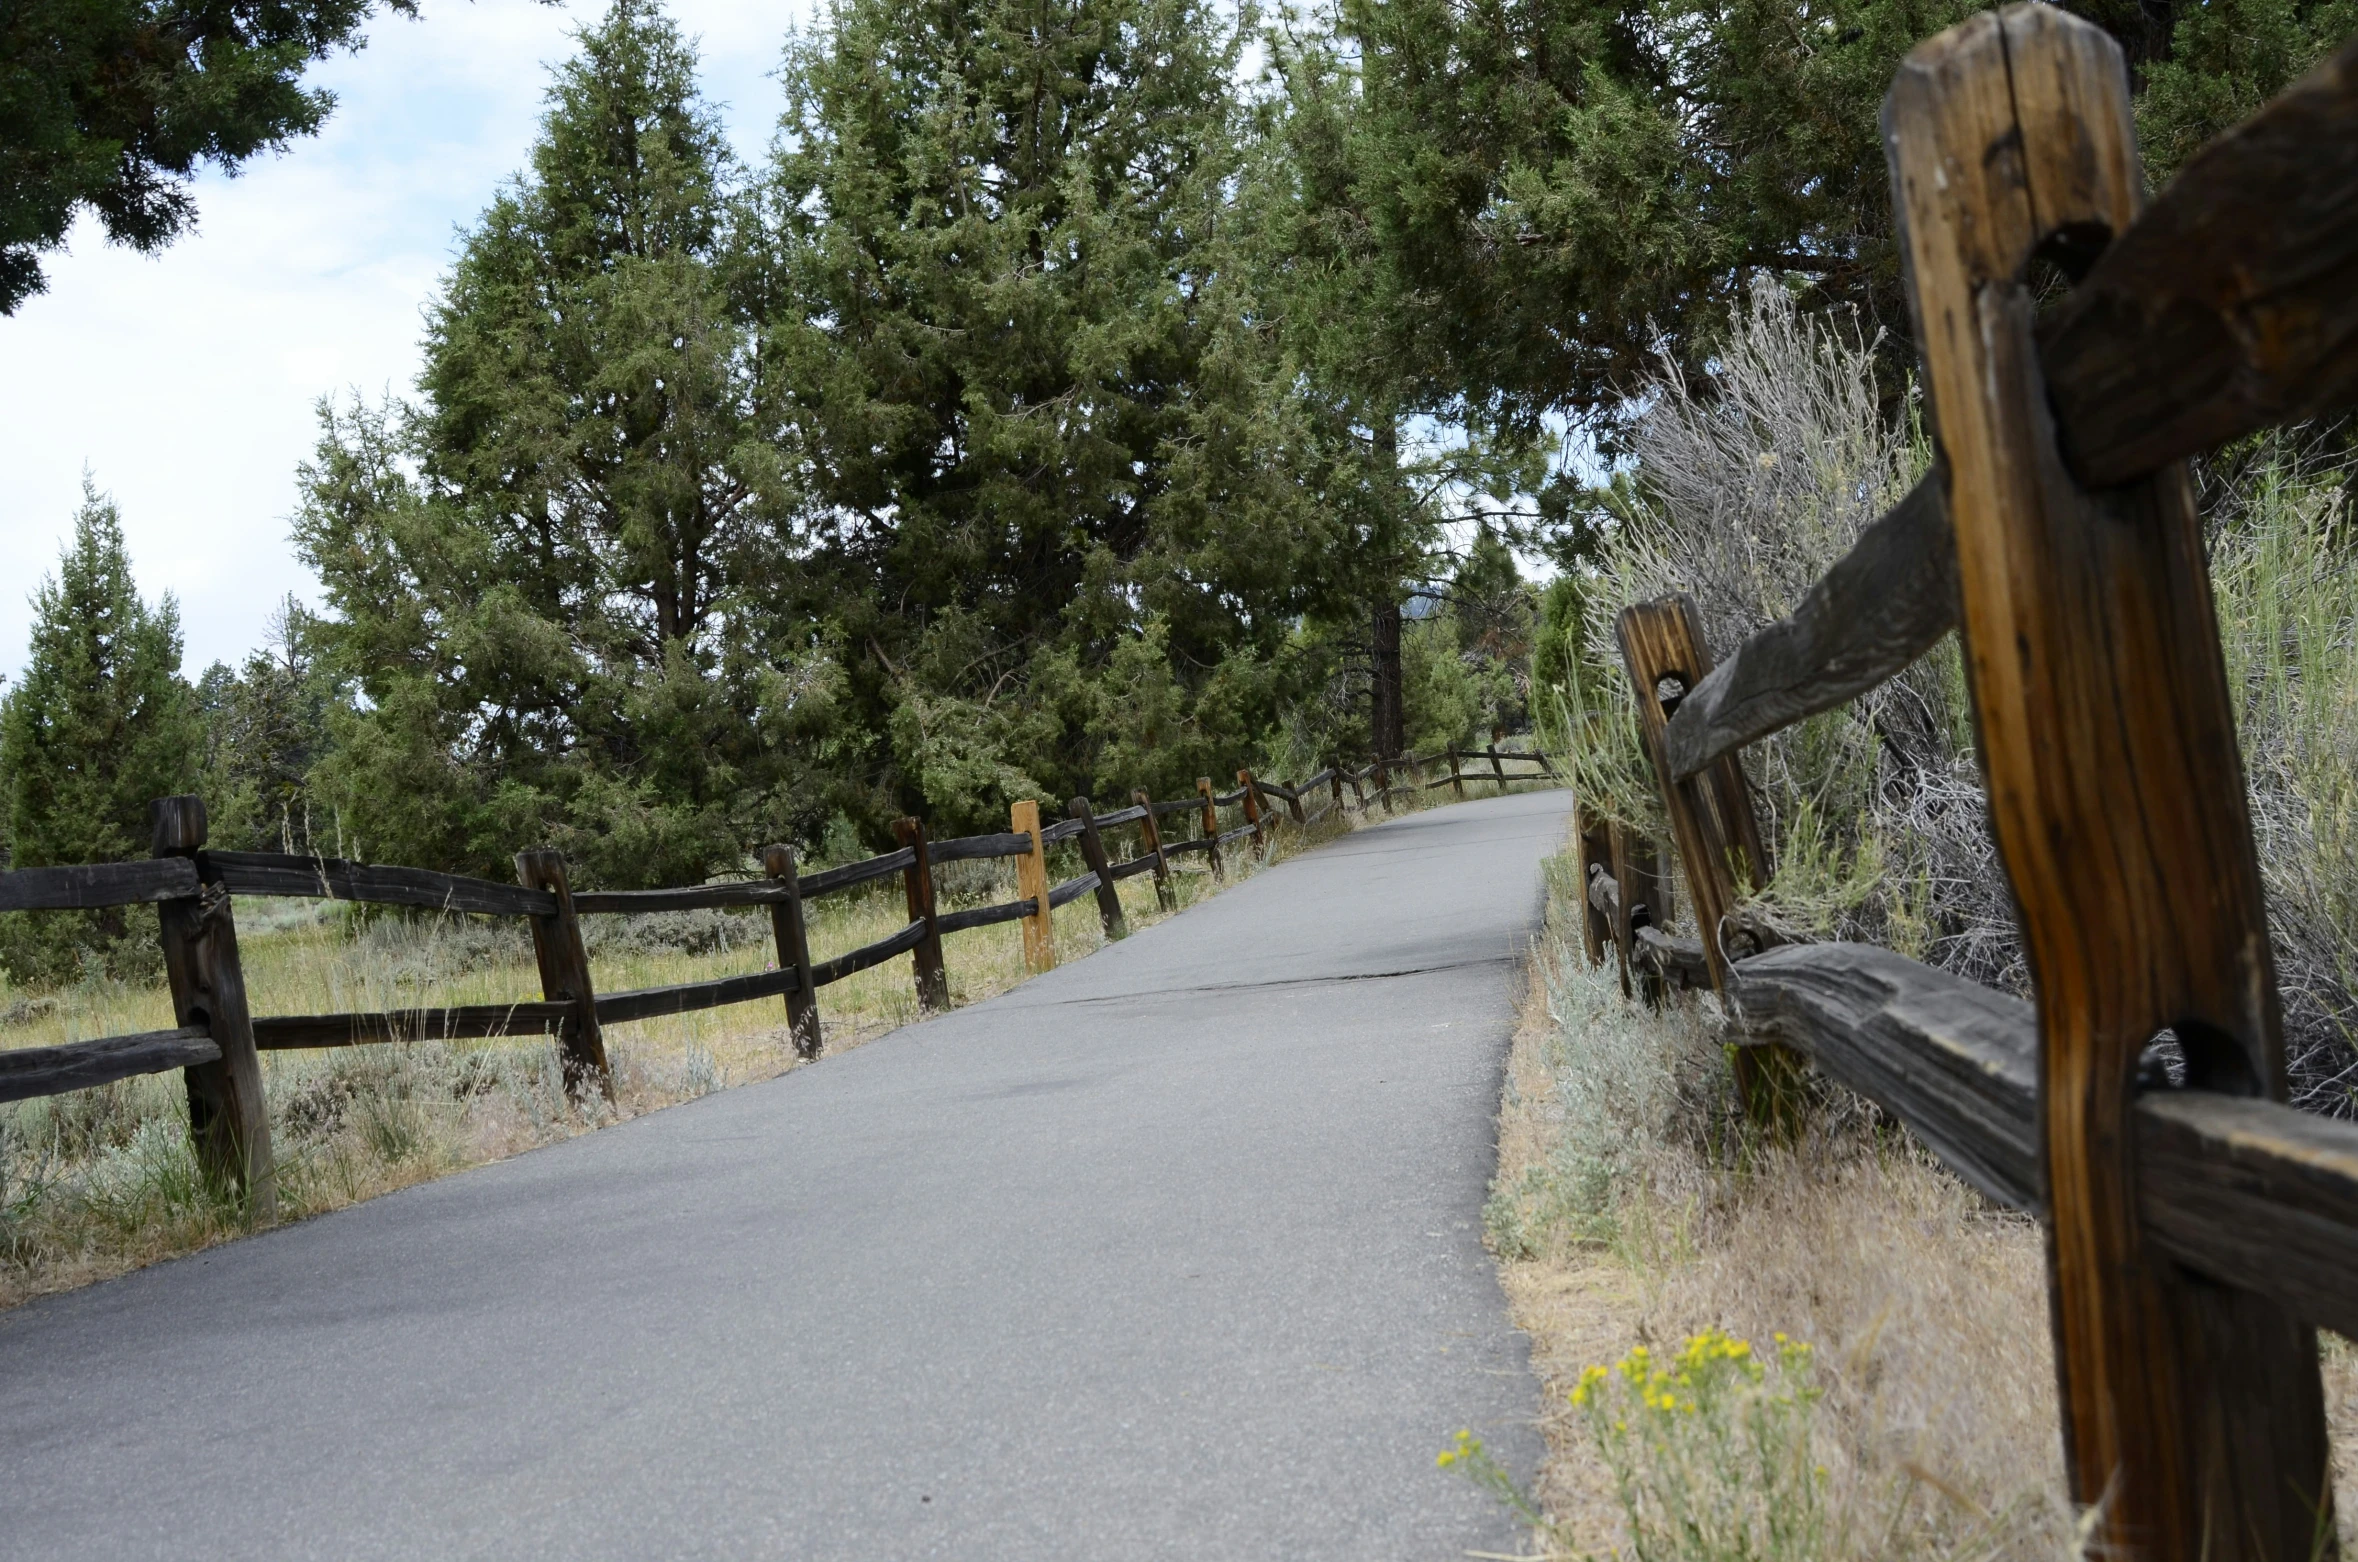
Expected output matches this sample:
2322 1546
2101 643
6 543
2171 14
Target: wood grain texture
1031 883
1101 877
931 975
1071 889
1593 844
1955 1061
829 881
26 1072
85 888
1711 817
228 1117
1679 962
332 878
1256 815
565 975
734 894
860 959
2255 1193
283 1032
2115 790
1062 830
1642 900
1883 605
791 936
986 916
1166 896
970 848
2231 304
1136 813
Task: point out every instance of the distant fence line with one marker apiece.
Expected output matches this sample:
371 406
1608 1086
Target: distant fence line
218 1043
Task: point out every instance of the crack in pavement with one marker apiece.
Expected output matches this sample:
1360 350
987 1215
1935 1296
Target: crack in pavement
1283 981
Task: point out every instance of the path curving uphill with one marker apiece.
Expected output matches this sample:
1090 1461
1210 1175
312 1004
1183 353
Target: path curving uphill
1171 1253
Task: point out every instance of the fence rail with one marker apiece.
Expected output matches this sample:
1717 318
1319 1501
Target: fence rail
219 1046
2198 1235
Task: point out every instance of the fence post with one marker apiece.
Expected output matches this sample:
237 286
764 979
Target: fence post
1711 818
1334 784
794 950
1109 898
228 1117
1293 808
1203 787
933 979
1383 785
1457 780
1253 813
1498 769
1594 859
565 974
1164 895
1645 889
1031 883
2191 1410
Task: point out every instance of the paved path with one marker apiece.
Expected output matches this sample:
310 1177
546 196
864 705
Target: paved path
1173 1252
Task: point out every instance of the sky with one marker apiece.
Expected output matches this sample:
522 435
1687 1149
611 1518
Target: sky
184 383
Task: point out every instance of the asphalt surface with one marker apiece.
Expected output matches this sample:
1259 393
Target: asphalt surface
1172 1252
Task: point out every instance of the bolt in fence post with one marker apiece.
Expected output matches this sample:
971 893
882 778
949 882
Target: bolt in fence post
1109 898
1031 883
1203 787
794 950
1164 894
2193 1413
1252 812
565 974
933 979
228 1118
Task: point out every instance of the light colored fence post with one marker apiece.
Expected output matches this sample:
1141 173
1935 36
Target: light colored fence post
933 977
565 975
1031 883
794 950
2193 1412
1165 896
228 1119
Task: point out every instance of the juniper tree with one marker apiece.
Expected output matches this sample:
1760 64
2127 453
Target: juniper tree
552 574
1055 461
100 725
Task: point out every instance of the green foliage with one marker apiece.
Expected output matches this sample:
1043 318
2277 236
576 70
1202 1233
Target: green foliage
554 578
100 726
266 726
112 105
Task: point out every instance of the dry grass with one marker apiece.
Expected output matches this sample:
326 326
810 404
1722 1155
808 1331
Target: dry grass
1627 1210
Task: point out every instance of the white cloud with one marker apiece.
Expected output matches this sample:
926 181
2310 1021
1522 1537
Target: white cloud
185 383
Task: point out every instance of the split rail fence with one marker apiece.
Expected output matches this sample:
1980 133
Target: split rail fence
218 1042
2198 1234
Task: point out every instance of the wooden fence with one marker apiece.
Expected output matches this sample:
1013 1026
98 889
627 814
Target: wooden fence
2197 1235
218 1043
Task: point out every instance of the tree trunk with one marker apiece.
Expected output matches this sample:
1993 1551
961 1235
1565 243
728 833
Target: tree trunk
1390 733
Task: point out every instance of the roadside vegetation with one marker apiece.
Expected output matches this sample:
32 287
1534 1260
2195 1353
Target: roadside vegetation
1642 1232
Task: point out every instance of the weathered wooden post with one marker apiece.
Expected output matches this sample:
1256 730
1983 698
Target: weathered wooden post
1645 892
2193 1413
1594 859
1031 883
1165 895
794 950
1358 792
1109 898
1498 770
1203 787
1293 807
1253 812
565 975
228 1117
1334 784
1711 818
933 978
1383 785
1457 780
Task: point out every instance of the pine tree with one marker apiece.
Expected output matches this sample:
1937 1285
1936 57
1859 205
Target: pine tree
101 725
266 727
1044 423
562 624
